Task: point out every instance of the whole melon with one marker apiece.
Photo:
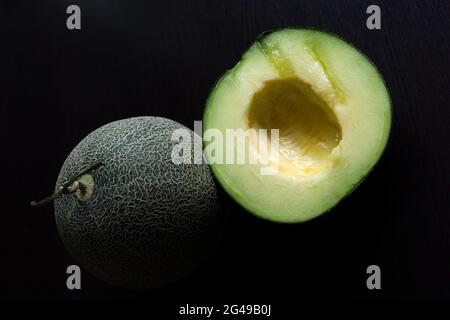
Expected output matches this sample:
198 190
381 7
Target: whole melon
140 220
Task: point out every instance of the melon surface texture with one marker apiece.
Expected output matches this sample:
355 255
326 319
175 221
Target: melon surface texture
140 221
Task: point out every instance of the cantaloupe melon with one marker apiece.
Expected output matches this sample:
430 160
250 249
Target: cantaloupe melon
332 110
137 220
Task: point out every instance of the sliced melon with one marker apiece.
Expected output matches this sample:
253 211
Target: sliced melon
333 113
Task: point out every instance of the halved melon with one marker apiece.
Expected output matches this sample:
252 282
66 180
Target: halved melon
333 113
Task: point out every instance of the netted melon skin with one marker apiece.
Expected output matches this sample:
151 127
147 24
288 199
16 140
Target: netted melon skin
149 221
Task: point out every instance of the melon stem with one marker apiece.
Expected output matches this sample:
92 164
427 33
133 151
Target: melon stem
70 186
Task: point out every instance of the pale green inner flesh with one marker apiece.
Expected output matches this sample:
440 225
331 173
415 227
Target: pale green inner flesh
308 128
332 110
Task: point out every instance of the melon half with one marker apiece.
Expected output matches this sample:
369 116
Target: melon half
333 113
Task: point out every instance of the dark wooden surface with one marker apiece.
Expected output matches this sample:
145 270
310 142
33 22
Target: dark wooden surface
162 58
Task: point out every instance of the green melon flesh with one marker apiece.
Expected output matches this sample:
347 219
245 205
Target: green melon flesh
332 110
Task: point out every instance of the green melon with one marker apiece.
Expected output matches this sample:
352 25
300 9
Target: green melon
136 220
333 113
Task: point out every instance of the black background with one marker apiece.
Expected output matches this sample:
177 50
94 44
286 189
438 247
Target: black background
162 58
